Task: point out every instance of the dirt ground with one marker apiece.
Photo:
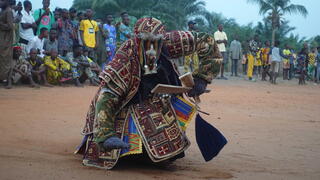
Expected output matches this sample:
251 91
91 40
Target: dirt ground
273 133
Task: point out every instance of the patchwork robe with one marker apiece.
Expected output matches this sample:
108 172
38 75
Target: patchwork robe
120 102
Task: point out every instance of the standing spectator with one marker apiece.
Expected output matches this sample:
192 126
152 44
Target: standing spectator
124 28
75 24
318 66
312 61
305 51
6 37
222 40
252 55
191 62
236 54
88 30
51 43
286 62
245 57
275 61
80 17
57 14
66 34
301 66
38 42
265 57
17 15
258 62
27 27
44 17
292 59
101 52
111 40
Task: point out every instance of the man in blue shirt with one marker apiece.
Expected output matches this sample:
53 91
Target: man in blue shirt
124 29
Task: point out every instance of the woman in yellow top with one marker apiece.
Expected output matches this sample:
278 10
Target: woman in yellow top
258 63
286 62
265 55
56 67
312 64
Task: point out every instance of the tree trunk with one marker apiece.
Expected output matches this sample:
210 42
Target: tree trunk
274 30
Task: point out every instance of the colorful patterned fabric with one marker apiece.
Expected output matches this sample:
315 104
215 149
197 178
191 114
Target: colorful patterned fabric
132 137
258 61
184 111
46 21
251 60
159 129
286 60
253 47
77 69
111 43
191 63
265 55
56 69
209 57
124 32
312 58
180 43
66 36
155 120
22 65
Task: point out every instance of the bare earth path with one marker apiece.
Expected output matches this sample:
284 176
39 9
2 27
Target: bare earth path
273 133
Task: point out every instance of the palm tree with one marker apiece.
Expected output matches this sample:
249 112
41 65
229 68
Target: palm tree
276 9
174 14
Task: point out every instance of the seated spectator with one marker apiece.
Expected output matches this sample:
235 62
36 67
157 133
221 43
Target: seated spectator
38 42
51 43
38 69
80 66
57 69
20 69
94 66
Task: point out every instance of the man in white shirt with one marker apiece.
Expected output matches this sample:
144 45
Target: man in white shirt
27 25
222 40
38 41
276 58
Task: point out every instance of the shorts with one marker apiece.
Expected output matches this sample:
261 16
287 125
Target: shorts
225 57
275 66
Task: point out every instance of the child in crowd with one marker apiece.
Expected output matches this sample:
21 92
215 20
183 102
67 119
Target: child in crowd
244 64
